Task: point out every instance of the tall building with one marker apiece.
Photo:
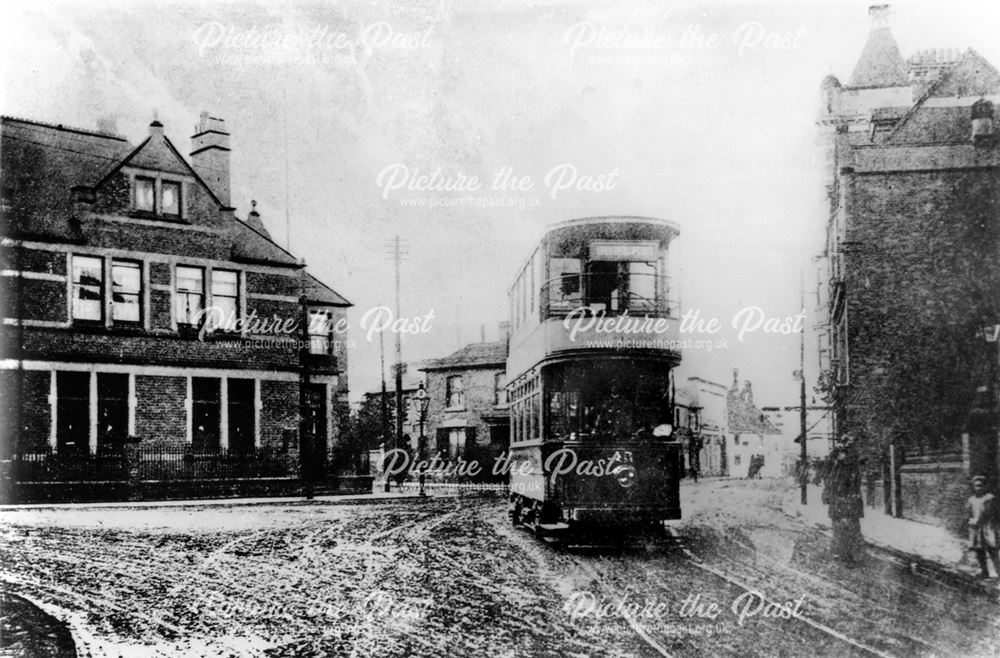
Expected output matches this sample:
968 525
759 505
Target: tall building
912 276
139 308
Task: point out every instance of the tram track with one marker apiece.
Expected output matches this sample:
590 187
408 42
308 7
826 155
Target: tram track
857 644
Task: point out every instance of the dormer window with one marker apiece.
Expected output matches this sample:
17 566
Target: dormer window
145 194
171 196
157 197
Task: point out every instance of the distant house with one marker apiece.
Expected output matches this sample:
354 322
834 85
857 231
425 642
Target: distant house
819 431
411 414
700 413
751 434
468 415
138 308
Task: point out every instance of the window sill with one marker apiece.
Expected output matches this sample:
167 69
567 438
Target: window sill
158 217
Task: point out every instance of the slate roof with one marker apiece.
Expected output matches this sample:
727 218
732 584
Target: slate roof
970 76
320 293
42 163
743 416
475 355
880 64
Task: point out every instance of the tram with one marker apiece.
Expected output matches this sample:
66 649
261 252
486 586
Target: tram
593 343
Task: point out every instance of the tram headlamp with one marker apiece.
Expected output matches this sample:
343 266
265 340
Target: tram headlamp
663 430
625 475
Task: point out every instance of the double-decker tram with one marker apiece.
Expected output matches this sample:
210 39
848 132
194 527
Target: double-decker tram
593 343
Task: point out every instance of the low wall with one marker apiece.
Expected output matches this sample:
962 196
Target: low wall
935 493
79 492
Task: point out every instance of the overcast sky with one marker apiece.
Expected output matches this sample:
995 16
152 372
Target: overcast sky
701 113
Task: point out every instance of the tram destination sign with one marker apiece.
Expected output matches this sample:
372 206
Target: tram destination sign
623 250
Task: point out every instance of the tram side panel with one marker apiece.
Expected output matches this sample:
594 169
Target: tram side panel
597 484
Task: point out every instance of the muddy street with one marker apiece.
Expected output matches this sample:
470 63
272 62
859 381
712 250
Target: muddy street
451 576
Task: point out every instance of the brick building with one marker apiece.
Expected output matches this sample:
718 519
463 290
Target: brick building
467 415
911 269
700 414
752 436
136 304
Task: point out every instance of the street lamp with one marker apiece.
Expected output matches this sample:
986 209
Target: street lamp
422 403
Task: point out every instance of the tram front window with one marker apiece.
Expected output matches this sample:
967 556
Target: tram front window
597 403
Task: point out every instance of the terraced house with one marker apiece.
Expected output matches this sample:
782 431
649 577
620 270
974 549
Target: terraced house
140 310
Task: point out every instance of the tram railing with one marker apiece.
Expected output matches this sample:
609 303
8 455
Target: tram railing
604 294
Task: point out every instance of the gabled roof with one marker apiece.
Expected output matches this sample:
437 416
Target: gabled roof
743 416
970 76
476 355
43 163
880 64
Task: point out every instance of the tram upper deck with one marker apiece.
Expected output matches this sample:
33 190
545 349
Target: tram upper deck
592 286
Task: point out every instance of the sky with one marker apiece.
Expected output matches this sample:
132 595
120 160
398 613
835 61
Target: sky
702 113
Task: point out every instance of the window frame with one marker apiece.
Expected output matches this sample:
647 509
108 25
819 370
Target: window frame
326 337
178 292
76 286
135 194
180 199
138 294
449 392
214 295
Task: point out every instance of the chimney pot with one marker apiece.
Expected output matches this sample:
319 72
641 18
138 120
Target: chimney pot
879 15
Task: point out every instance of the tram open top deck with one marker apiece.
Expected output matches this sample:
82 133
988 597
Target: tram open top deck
596 286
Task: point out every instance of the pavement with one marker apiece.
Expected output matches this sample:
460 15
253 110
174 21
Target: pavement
922 546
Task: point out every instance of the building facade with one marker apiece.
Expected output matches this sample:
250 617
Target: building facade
700 422
467 415
374 400
755 445
911 276
819 433
139 309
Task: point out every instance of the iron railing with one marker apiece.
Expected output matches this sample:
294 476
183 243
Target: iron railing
151 463
603 294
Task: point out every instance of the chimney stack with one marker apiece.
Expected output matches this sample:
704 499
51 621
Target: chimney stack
504 331
210 155
982 123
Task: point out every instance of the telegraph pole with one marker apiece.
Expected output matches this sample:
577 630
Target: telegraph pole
397 254
383 404
399 360
804 473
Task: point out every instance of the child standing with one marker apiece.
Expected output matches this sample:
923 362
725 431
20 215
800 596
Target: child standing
981 513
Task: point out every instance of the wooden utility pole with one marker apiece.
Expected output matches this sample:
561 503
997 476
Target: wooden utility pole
804 473
399 358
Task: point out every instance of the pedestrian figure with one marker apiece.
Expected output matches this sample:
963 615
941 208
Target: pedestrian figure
842 494
694 455
981 515
756 463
